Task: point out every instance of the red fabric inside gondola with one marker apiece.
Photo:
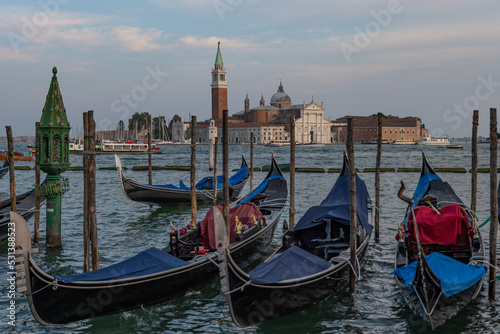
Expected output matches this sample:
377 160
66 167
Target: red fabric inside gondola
449 228
244 212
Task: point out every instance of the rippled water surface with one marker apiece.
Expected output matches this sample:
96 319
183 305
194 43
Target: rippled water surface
126 228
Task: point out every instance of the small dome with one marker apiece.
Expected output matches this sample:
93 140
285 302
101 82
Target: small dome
281 96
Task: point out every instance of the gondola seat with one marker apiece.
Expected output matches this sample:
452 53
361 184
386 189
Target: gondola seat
245 213
447 233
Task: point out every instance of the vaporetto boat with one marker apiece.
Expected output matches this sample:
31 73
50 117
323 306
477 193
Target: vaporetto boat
429 140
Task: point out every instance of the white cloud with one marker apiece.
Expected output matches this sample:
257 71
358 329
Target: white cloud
8 55
138 39
211 42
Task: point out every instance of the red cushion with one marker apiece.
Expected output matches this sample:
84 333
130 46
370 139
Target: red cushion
244 213
445 229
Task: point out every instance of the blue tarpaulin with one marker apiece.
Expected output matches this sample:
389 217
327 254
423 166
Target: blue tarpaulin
337 206
292 263
207 183
455 276
260 189
147 262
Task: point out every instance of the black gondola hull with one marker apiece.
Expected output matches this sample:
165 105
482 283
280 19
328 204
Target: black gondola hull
62 303
250 304
144 193
25 204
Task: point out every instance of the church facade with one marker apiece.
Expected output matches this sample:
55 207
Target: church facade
310 124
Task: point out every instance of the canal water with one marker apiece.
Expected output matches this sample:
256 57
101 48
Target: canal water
126 228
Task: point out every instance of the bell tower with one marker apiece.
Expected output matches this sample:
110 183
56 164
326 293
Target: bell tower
219 87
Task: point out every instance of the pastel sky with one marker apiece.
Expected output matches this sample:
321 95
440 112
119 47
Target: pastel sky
437 60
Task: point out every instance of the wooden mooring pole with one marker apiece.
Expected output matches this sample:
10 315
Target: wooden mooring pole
210 154
90 239
12 177
150 160
493 202
354 221
215 170
475 123
86 217
92 188
225 173
377 174
251 160
291 209
193 171
36 224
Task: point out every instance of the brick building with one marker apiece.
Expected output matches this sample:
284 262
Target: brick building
405 130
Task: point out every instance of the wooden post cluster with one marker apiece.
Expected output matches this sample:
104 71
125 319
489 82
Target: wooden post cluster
493 202
150 160
215 170
36 224
251 160
225 172
291 211
353 216
475 123
12 177
89 203
377 174
193 171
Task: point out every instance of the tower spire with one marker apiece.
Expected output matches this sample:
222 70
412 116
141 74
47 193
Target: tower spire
219 87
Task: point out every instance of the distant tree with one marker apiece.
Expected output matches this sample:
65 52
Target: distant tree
121 125
385 116
139 121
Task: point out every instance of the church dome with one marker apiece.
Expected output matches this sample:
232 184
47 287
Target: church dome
280 97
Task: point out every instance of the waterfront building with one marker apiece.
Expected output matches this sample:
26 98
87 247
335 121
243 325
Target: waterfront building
405 130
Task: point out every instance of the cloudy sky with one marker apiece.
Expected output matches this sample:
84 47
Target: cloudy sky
437 60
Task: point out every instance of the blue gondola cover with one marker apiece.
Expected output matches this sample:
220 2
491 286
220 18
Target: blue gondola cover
292 263
455 276
337 206
147 262
207 182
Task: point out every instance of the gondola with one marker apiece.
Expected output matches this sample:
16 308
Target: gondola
152 276
440 252
312 263
5 168
171 194
25 205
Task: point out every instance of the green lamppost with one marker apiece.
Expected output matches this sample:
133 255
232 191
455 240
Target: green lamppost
53 158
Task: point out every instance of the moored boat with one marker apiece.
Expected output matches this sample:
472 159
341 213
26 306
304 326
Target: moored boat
312 263
440 252
5 168
25 205
152 276
18 156
455 146
171 194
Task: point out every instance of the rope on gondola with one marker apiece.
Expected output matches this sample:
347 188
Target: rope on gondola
197 257
485 222
54 283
